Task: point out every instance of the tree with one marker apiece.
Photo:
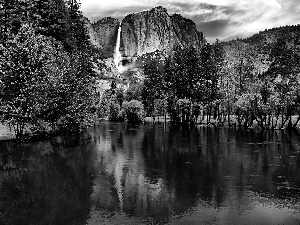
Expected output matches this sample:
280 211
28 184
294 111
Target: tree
22 78
183 79
50 18
41 82
10 11
283 77
184 107
114 110
183 74
153 82
133 111
79 93
77 38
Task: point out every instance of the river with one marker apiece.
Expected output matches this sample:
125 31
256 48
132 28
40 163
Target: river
117 173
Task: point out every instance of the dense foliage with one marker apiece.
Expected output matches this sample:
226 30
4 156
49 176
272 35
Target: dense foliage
178 84
133 111
235 82
46 77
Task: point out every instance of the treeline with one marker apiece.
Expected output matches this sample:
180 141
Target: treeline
228 85
182 84
47 81
265 40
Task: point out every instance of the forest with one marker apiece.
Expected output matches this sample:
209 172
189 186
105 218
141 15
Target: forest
48 81
46 76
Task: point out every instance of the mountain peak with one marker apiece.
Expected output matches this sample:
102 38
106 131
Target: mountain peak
159 9
152 30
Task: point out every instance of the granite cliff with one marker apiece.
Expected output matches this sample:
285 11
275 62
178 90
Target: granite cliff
144 32
155 29
103 34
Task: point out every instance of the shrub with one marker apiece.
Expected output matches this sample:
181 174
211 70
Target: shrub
133 111
114 111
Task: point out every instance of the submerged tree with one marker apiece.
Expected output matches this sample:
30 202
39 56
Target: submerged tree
283 80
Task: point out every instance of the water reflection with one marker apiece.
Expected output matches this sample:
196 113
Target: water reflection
45 183
153 174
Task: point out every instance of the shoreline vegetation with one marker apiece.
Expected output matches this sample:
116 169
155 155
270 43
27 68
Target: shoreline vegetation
7 133
47 81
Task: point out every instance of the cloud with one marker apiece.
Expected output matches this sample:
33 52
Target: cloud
94 15
213 29
247 19
215 18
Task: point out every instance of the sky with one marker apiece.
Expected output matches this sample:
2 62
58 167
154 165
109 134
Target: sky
222 19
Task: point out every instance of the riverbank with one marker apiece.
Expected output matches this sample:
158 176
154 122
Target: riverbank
7 134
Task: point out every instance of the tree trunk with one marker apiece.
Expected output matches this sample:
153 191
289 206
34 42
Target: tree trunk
286 119
295 124
228 115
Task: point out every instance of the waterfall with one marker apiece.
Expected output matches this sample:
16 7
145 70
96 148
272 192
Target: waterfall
117 55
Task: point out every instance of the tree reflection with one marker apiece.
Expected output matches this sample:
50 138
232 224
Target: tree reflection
45 182
157 171
153 173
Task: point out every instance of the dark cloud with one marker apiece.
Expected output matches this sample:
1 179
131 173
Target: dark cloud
94 15
213 29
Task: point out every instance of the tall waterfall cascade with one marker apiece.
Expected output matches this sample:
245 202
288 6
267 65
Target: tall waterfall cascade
117 54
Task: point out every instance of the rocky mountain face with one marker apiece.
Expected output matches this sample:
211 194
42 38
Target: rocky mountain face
153 30
103 34
144 32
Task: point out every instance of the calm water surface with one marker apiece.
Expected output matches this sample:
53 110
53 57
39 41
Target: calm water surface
152 174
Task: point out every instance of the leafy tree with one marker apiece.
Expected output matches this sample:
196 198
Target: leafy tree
78 37
283 77
23 78
133 111
9 15
183 74
50 18
153 82
114 110
133 92
42 82
183 79
184 107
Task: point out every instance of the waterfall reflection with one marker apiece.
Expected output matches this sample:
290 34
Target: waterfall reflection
157 172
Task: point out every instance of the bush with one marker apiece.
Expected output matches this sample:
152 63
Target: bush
133 111
114 111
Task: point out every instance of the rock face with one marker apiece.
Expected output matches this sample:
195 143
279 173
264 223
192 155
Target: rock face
186 32
103 33
153 30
